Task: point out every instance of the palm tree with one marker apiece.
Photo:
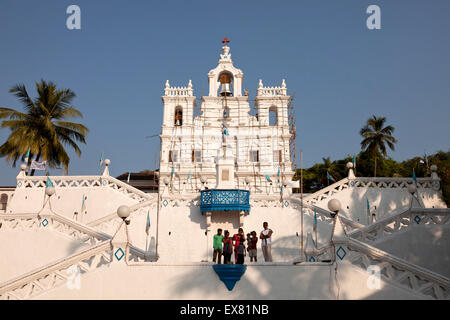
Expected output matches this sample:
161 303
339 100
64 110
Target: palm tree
43 128
376 137
325 167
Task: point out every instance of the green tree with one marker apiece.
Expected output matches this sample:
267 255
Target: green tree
43 127
376 137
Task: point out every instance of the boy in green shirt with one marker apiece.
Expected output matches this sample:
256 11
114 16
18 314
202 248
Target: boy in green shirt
217 246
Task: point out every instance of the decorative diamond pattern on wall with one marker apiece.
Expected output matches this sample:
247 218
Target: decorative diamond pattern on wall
341 253
119 254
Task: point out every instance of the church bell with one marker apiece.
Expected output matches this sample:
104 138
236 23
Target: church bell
225 81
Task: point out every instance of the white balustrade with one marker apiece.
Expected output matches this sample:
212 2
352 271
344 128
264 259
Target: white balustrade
271 91
401 221
178 91
85 182
399 271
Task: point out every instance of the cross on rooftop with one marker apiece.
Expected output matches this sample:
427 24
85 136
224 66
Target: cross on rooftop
225 41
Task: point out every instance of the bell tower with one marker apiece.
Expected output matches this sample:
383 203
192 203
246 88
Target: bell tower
225 76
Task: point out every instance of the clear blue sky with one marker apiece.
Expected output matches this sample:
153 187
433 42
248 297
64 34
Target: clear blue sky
340 71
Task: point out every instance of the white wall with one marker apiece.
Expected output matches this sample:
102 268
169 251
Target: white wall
201 282
23 251
187 241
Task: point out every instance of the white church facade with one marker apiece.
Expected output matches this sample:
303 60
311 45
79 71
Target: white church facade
225 146
229 168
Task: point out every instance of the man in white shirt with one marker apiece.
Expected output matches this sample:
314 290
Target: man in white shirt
266 237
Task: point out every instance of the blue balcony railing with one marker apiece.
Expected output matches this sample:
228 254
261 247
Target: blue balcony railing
226 200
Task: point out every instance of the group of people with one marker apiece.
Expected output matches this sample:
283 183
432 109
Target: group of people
226 245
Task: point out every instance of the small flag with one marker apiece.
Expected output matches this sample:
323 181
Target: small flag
189 175
49 183
225 132
38 165
414 176
329 177
354 161
278 174
315 220
101 160
147 227
368 206
83 204
28 153
173 172
128 179
268 178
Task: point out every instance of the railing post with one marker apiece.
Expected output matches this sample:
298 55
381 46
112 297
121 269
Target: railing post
208 215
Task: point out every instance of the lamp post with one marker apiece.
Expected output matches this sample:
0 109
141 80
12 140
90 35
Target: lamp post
334 205
412 190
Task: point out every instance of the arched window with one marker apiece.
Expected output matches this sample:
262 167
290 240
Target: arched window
226 84
273 116
178 119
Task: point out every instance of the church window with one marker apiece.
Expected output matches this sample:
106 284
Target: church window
178 119
197 156
273 118
277 156
3 201
173 156
254 156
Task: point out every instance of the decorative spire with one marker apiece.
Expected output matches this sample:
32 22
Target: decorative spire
260 84
226 56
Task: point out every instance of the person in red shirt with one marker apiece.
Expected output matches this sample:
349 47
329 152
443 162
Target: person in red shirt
236 240
227 248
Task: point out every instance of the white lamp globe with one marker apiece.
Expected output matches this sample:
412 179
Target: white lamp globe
166 180
412 188
334 205
49 191
248 180
23 167
107 162
349 165
123 212
203 179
